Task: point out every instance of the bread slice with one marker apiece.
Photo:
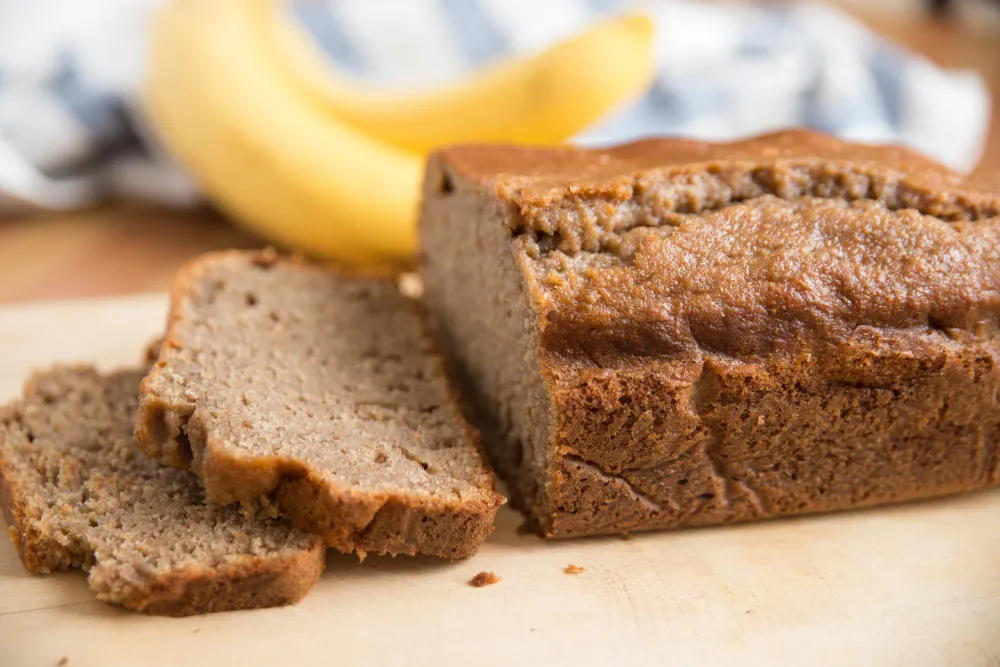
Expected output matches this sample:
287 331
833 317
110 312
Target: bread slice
78 493
296 387
673 333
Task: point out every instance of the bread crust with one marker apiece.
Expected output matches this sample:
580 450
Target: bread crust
21 536
245 583
345 519
722 332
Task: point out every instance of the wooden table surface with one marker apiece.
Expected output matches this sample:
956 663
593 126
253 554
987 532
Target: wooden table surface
915 585
134 248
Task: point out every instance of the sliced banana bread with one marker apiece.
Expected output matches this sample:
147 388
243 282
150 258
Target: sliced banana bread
320 395
77 492
673 332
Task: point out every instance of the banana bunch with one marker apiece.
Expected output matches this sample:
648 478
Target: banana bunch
318 162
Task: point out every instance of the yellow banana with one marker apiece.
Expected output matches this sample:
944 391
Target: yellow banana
270 159
544 99
277 159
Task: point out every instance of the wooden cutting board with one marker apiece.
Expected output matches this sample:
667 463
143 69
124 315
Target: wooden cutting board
910 586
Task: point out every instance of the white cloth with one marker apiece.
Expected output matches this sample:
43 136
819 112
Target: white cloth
70 71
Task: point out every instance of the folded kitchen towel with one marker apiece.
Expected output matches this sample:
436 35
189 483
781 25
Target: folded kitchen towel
70 74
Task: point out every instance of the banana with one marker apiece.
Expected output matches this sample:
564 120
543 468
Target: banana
282 161
279 165
545 99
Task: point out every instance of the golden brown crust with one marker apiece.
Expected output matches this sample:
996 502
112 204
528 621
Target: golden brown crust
584 199
248 583
538 174
363 523
21 538
346 520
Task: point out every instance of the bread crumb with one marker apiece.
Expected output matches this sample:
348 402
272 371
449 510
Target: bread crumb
484 579
626 536
196 630
410 285
62 661
574 569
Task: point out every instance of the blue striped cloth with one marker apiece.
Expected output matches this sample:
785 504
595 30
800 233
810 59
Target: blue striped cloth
70 133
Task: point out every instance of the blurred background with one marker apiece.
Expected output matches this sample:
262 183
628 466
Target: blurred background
103 192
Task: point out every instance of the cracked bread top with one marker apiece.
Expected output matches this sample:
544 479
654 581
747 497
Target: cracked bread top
786 240
319 394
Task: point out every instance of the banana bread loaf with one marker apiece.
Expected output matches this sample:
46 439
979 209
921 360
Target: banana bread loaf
78 493
673 333
319 395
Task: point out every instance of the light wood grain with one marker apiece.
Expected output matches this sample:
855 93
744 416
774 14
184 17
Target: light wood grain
910 586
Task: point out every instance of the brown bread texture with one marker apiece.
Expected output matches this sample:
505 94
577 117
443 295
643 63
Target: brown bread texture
677 333
299 389
77 493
